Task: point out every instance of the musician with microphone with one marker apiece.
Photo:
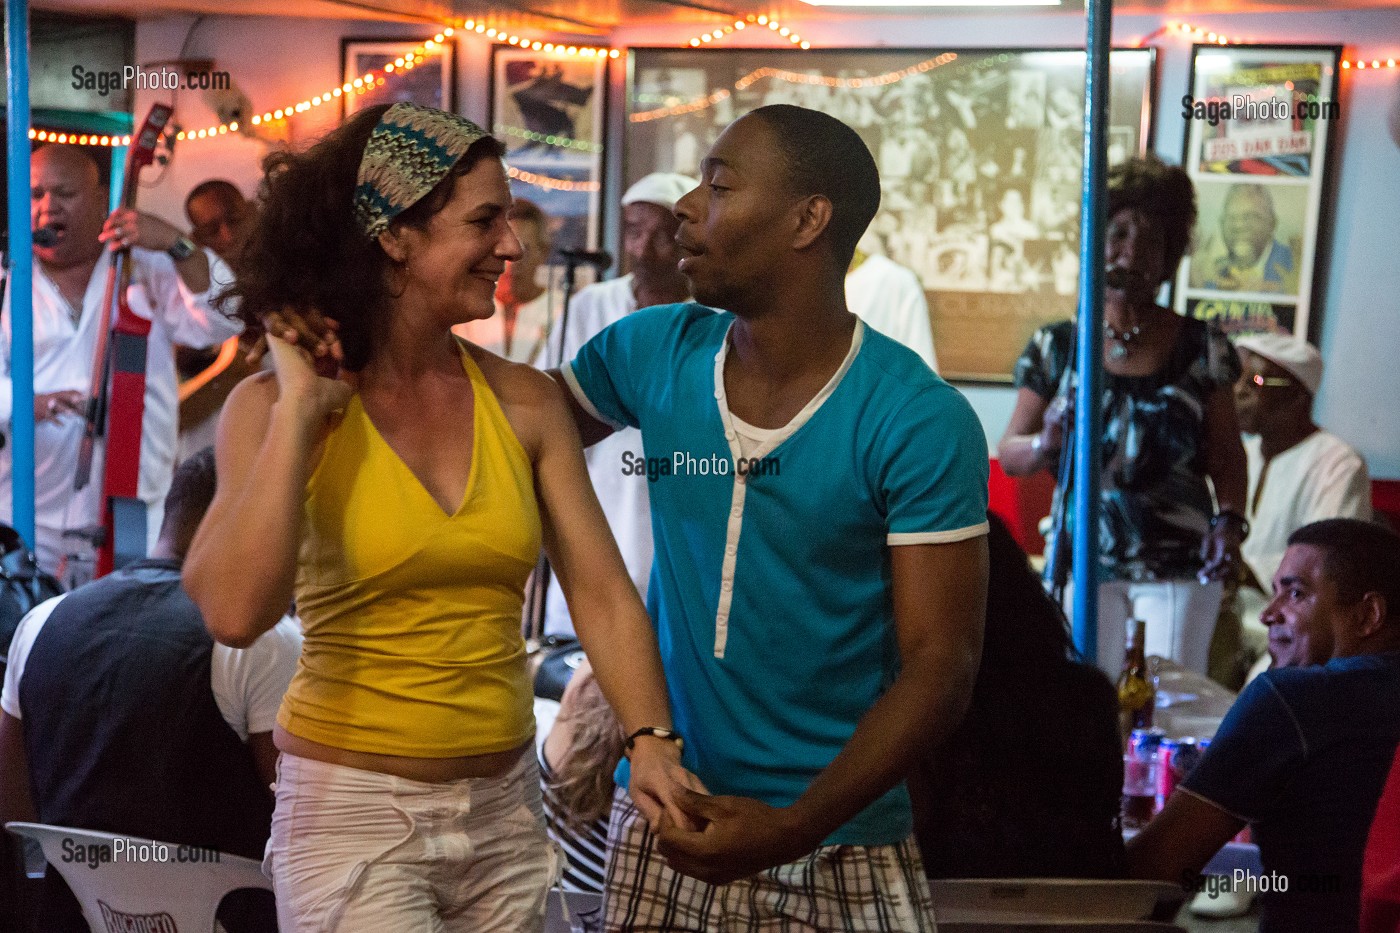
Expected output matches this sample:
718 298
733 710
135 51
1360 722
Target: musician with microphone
172 281
1166 543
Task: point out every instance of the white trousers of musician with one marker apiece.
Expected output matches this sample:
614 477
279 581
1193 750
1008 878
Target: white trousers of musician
358 851
1180 616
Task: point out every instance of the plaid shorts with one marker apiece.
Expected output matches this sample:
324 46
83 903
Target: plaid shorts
851 889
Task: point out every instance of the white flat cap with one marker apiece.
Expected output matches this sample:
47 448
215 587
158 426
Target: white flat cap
661 188
1298 357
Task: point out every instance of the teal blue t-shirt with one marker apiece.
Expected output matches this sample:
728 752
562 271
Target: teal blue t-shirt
770 588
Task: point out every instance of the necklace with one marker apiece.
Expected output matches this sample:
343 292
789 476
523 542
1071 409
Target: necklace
1121 339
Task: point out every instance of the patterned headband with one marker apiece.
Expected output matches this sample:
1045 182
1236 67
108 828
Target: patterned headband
411 149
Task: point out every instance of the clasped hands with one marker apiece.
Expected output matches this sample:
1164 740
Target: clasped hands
717 839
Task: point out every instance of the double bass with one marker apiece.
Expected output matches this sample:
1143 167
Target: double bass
117 396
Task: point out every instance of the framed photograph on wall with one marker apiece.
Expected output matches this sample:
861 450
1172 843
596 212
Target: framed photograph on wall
1258 142
549 110
432 81
979 150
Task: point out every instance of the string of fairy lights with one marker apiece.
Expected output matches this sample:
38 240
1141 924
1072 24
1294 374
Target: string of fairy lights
1210 37
377 78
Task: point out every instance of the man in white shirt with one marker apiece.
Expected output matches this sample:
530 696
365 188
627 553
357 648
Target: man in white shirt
172 282
1298 473
890 298
649 249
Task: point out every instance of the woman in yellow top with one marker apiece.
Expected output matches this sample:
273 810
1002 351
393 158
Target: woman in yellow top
403 505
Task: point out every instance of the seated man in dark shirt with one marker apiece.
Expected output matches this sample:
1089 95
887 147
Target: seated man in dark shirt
1304 753
121 714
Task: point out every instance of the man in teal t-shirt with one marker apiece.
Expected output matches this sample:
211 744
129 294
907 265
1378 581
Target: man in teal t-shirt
819 504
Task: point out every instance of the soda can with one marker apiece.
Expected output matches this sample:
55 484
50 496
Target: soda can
1144 743
1175 759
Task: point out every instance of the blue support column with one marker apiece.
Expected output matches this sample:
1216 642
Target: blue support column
1088 414
21 267
114 184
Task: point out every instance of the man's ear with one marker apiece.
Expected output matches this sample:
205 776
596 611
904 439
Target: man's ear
813 217
1371 614
394 243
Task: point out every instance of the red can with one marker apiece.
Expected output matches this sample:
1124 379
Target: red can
1175 759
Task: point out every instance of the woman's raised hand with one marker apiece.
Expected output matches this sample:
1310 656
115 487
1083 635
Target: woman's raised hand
306 328
314 401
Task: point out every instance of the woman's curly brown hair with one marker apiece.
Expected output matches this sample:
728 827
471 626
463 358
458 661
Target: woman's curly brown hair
308 251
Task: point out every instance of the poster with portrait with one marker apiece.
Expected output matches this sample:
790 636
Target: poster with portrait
1258 136
432 81
548 108
979 151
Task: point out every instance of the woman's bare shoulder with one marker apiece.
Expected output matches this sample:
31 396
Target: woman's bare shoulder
529 398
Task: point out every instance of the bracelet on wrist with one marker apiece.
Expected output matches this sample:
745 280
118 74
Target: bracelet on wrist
1225 515
657 732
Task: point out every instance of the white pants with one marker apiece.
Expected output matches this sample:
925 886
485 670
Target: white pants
355 850
1180 617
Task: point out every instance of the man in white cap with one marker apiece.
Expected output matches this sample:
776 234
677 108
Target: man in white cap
1298 473
651 254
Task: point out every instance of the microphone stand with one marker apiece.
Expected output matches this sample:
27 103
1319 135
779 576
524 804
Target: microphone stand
539 588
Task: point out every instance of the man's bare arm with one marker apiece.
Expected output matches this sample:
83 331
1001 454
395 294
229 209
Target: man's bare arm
590 429
940 593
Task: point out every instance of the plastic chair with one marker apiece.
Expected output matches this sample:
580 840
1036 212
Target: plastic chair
999 901
179 893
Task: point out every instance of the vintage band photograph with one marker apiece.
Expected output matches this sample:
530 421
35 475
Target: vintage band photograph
980 154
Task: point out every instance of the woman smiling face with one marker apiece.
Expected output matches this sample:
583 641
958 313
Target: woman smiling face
452 263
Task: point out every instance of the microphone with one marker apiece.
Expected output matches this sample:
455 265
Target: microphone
45 237
592 257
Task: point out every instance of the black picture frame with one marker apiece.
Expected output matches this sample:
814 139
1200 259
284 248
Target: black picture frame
433 83
551 111
1258 162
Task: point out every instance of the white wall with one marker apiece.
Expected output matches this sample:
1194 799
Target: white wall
282 60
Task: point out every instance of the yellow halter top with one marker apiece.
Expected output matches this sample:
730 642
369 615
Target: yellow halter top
412 616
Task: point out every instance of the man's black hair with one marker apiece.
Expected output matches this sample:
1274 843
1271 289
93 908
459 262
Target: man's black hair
825 156
1360 557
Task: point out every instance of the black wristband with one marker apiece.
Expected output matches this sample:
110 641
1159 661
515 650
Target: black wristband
670 735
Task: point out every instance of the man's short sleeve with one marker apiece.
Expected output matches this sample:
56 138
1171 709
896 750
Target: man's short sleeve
612 374
25 634
935 470
248 684
1255 753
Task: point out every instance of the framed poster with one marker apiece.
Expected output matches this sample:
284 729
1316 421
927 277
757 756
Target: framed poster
549 110
431 82
979 150
1258 138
